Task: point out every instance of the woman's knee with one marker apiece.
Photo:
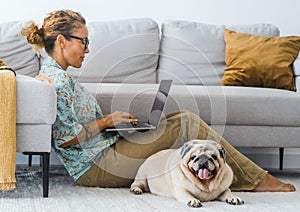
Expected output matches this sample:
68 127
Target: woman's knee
190 117
181 114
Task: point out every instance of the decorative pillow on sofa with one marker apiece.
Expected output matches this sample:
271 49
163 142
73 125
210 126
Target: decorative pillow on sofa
260 61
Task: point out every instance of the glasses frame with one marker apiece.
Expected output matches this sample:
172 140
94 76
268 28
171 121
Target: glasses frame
84 41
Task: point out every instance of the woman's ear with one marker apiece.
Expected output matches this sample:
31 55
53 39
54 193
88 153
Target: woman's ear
61 40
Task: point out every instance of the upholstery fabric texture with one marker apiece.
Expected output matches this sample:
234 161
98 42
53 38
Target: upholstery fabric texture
260 61
7 130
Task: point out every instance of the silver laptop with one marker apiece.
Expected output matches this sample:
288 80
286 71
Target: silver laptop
155 114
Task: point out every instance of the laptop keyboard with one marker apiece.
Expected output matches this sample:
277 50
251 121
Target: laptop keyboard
130 125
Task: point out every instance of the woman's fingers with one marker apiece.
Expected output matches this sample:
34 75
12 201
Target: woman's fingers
119 117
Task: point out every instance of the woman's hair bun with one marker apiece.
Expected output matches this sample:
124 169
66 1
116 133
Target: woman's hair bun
34 35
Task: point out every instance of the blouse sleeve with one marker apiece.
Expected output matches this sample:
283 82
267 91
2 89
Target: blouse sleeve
67 126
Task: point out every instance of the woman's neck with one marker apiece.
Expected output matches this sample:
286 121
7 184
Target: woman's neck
59 60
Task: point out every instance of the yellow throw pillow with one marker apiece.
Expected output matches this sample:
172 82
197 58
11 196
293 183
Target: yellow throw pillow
260 61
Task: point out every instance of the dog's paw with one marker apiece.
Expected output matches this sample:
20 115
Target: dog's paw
195 203
234 201
136 190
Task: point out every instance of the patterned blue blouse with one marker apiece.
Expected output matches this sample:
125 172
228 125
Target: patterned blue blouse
75 106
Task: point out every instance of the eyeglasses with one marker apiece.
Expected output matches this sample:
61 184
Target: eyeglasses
84 41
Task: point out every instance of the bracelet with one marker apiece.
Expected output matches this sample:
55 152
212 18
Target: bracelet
88 133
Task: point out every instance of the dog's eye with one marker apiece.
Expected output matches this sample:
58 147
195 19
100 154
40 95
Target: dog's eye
214 157
193 157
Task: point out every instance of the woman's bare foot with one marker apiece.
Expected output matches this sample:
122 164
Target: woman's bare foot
272 184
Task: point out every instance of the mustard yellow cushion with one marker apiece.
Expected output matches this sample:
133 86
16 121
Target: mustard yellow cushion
260 61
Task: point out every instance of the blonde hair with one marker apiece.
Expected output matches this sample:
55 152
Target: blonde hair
57 22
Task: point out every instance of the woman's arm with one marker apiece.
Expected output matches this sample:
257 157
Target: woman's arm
92 128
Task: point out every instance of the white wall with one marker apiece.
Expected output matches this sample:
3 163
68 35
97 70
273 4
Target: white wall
285 14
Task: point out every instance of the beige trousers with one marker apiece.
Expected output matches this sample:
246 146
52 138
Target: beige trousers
118 165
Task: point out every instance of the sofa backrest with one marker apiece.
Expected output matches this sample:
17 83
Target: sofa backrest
131 51
15 51
194 53
121 51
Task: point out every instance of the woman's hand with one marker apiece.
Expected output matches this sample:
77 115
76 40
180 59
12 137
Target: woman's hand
95 126
118 117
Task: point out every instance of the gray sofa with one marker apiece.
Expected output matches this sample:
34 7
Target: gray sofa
128 58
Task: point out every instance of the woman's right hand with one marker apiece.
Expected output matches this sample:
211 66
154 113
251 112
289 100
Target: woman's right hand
118 117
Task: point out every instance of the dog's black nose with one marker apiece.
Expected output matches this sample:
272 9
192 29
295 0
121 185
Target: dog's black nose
202 160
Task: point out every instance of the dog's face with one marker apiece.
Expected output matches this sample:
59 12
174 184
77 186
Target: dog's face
203 158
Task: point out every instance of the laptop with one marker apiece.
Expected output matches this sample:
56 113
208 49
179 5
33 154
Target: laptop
156 113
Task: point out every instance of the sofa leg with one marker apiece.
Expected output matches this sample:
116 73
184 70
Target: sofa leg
29 160
46 163
41 160
281 152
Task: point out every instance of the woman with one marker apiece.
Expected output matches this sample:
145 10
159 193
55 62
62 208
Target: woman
94 157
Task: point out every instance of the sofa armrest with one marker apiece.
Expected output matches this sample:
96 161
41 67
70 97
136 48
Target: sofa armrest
36 101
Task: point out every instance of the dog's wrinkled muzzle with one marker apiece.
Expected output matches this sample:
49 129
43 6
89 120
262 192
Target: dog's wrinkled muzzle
203 167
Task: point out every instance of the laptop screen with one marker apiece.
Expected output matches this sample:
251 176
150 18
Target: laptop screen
159 102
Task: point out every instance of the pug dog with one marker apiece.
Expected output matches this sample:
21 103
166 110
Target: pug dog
195 173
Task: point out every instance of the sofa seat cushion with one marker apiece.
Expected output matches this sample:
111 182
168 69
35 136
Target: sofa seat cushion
262 106
217 105
36 101
236 105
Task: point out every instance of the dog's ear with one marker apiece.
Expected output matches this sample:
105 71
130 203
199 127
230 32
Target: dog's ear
222 152
185 148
